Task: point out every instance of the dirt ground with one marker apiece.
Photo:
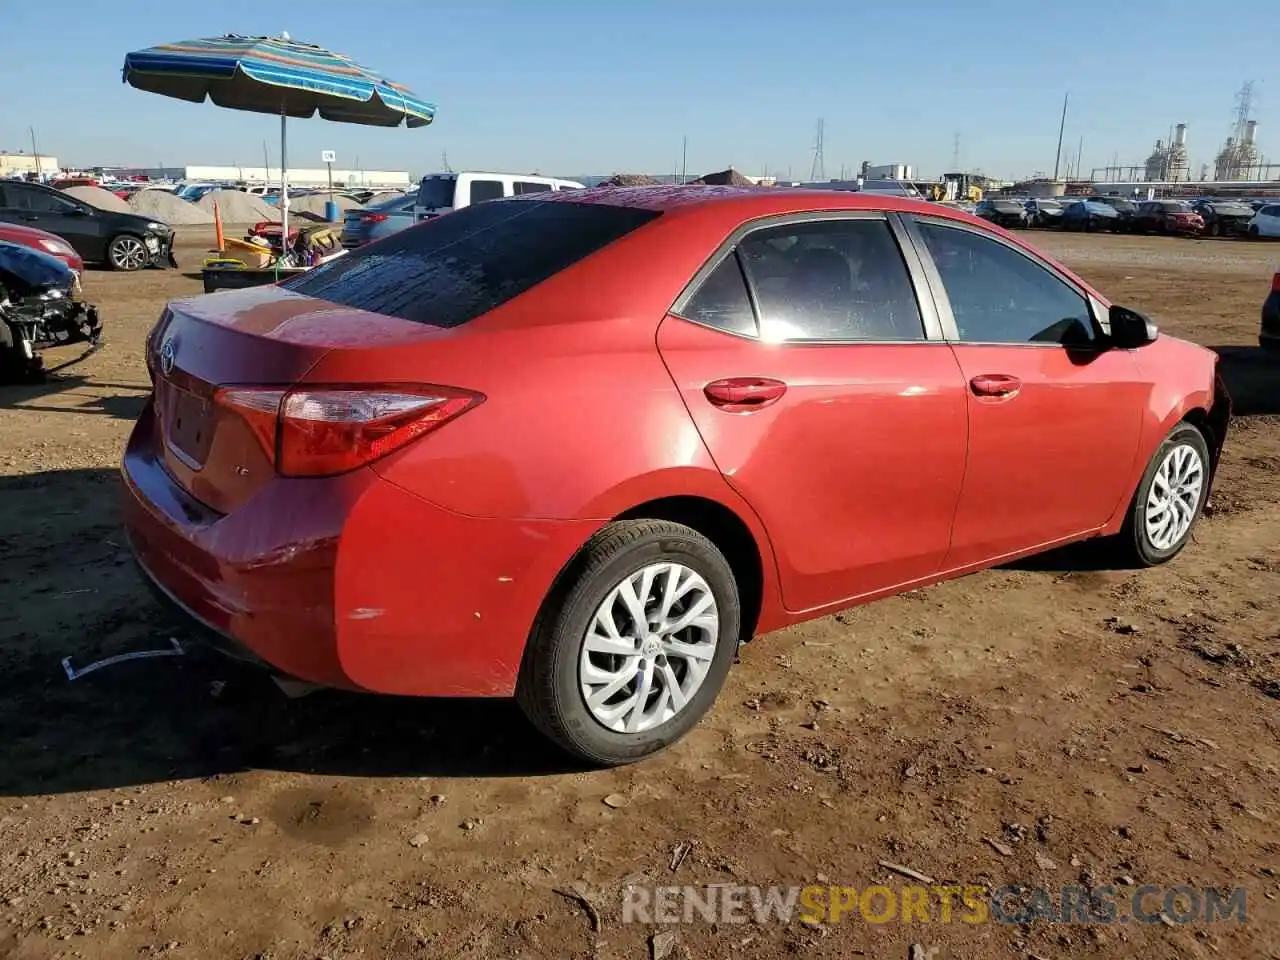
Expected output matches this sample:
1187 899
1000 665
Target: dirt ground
1101 726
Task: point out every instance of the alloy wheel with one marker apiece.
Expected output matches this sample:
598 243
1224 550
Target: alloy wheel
128 253
1174 496
648 648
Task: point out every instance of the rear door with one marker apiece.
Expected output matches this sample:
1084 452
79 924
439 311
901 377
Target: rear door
826 397
1054 414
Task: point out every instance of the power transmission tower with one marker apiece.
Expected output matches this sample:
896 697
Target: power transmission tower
955 153
819 170
1244 108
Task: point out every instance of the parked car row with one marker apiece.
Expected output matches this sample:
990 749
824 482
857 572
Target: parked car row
1204 217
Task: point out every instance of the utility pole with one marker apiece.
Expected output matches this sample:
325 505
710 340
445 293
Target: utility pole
1057 160
684 159
36 153
266 164
955 153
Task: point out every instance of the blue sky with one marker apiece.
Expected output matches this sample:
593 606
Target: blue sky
576 88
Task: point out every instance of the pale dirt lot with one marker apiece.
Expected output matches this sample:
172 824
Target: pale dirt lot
1124 725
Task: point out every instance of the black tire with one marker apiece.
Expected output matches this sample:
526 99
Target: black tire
1253 232
1133 541
123 253
548 689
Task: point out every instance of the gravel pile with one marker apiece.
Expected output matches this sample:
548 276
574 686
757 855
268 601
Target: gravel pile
167 208
724 178
631 180
314 203
97 197
235 206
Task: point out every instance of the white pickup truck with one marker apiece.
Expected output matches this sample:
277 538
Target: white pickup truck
441 192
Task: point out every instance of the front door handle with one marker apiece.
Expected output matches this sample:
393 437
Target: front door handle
996 385
744 393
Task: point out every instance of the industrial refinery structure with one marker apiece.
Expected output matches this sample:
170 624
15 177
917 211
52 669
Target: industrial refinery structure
1237 168
1169 162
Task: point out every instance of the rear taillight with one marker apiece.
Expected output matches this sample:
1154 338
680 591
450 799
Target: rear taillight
373 217
324 431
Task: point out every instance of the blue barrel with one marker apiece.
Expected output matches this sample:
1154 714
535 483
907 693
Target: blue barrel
331 211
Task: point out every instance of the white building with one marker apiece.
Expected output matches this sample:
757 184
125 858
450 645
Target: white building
21 164
298 176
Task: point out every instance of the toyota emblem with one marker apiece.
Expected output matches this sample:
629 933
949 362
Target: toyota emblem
168 353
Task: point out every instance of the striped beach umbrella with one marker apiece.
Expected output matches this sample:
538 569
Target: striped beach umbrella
275 75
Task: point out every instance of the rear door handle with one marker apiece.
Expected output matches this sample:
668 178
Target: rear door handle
744 393
997 385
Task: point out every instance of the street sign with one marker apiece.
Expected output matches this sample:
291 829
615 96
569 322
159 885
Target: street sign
328 156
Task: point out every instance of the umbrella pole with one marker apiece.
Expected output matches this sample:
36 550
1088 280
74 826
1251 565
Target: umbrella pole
284 190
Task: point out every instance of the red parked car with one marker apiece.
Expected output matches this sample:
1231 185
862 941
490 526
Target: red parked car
1168 216
44 242
575 447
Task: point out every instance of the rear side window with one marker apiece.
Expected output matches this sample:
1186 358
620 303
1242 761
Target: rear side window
831 280
722 300
482 190
452 269
530 186
436 192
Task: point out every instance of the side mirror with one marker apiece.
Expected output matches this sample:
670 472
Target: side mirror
1130 329
77 212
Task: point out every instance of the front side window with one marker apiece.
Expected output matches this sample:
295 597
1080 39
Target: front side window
831 280
482 190
998 295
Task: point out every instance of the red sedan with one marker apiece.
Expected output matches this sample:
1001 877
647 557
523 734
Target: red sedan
44 242
575 447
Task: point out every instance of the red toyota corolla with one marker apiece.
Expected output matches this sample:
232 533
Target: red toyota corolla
575 447
45 242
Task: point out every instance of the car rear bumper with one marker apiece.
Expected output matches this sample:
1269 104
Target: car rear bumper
348 581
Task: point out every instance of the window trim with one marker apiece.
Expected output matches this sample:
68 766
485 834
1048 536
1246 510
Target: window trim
943 301
930 320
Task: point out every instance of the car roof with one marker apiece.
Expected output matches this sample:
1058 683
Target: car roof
748 203
727 208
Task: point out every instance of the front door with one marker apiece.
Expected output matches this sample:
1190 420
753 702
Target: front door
1054 415
824 404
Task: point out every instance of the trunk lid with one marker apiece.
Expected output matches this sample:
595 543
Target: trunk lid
261 336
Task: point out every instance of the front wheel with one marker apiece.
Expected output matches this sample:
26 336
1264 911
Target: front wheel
634 646
127 252
1169 498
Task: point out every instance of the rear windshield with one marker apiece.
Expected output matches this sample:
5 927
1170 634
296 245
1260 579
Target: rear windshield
436 192
450 270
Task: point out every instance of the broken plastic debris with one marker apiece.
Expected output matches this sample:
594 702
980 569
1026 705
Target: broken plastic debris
174 650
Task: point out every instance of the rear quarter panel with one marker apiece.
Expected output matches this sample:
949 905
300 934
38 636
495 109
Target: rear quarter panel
580 420
579 407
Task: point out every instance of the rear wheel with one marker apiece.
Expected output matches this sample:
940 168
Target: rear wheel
634 646
1169 498
127 252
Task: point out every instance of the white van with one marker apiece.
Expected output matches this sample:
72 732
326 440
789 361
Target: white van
441 192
